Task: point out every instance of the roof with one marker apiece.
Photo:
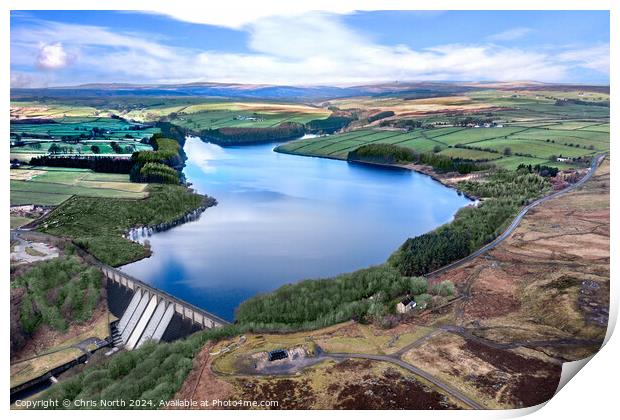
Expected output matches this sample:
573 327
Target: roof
277 354
406 301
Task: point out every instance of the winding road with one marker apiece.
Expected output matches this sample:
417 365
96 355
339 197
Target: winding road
396 357
417 371
593 166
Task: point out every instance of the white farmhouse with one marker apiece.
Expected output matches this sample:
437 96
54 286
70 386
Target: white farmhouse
405 305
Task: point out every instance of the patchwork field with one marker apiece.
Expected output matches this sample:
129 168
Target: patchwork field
214 115
218 108
404 107
192 113
105 128
77 136
337 146
31 109
52 186
102 147
535 145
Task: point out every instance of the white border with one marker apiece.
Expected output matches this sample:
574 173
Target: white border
591 394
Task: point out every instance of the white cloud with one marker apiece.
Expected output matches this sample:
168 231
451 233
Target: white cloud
316 48
87 35
594 58
310 35
23 80
52 56
239 14
511 34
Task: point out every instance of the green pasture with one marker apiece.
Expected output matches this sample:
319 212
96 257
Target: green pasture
213 119
591 125
602 127
581 138
475 155
111 129
512 162
84 147
19 197
567 138
18 221
535 148
52 186
471 135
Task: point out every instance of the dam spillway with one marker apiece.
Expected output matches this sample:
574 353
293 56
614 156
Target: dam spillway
148 314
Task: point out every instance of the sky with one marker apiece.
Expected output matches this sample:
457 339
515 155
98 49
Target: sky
65 48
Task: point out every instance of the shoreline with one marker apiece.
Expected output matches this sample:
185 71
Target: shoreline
189 216
421 169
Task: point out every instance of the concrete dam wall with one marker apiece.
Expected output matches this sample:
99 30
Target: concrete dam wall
149 314
145 313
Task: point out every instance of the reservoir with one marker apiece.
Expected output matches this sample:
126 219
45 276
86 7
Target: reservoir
283 218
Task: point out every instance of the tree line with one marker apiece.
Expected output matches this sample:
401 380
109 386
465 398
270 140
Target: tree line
367 295
158 165
393 154
504 193
380 115
95 163
328 125
228 136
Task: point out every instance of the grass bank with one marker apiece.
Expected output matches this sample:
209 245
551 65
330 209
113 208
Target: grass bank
98 225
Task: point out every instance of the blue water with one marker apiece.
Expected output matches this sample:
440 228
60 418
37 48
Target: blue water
282 218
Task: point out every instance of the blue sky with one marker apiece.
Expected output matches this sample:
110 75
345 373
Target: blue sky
56 48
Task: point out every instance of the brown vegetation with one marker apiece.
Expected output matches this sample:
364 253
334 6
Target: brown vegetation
538 299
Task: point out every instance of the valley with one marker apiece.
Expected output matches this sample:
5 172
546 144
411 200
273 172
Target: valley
372 222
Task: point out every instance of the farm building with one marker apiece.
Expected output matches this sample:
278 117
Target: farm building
277 355
405 305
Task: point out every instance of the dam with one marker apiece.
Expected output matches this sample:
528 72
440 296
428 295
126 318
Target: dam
146 313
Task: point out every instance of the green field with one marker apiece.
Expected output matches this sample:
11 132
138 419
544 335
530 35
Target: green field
535 125
337 146
475 155
34 146
218 118
471 135
191 113
110 128
573 139
52 186
77 136
18 221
